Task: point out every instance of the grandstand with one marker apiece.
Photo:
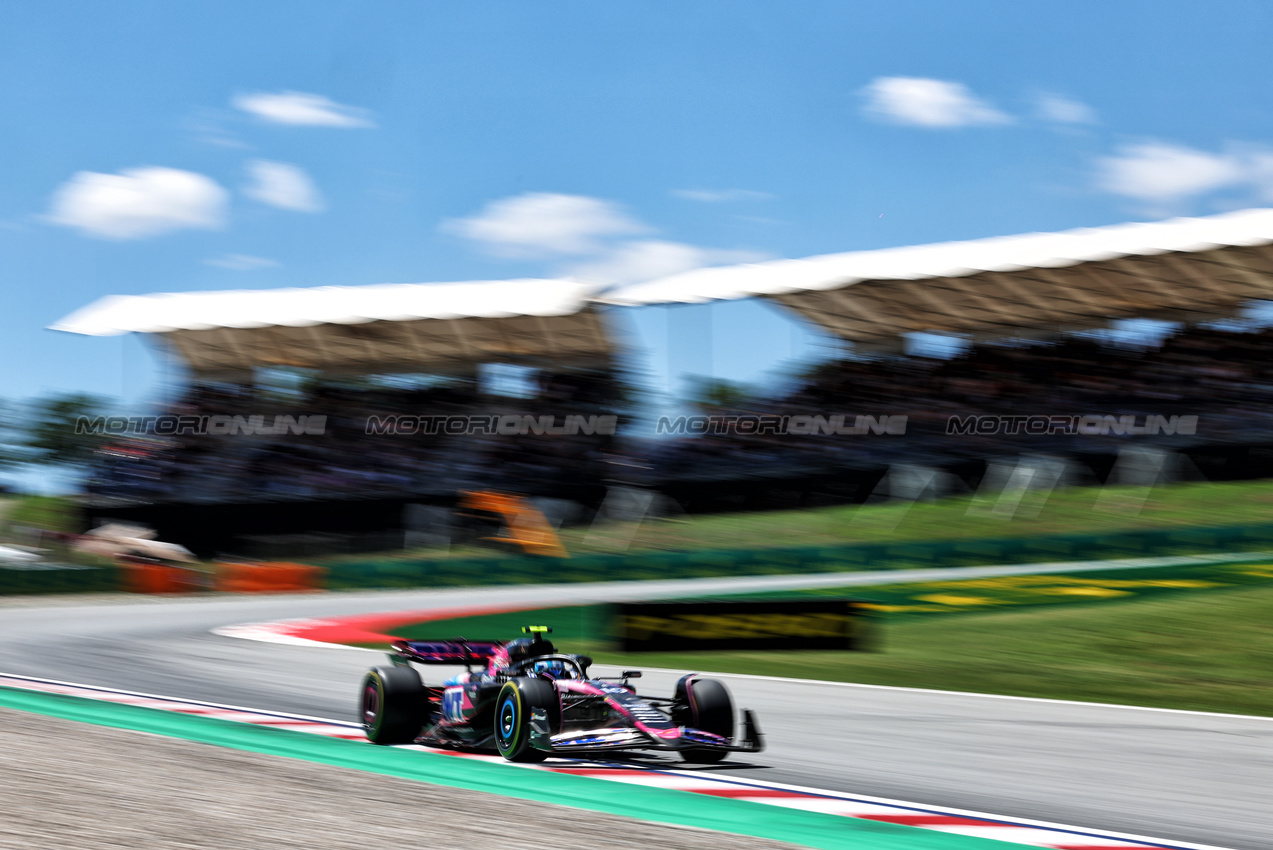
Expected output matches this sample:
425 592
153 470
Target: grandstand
1026 305
229 482
998 294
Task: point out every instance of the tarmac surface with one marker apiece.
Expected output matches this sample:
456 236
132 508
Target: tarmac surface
1177 776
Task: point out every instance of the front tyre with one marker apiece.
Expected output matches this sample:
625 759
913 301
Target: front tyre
516 702
710 709
393 705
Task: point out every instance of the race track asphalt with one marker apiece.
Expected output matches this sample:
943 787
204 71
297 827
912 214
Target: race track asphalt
1185 777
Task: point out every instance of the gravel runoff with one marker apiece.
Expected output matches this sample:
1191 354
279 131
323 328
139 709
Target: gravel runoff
73 785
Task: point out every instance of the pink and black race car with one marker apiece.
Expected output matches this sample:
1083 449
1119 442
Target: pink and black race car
529 702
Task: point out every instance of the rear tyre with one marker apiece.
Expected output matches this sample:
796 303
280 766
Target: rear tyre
711 709
516 702
393 705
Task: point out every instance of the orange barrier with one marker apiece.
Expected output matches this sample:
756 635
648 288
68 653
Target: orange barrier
527 527
143 576
271 577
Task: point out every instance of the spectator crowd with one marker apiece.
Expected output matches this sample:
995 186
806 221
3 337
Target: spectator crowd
1223 377
354 455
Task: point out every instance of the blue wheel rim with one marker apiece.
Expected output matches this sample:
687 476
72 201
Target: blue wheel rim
508 720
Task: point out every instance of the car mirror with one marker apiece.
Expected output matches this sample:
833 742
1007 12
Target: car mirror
631 674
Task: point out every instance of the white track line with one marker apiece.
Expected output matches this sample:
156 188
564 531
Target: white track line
967 694
282 631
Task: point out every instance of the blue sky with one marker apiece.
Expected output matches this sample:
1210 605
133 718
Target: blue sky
162 147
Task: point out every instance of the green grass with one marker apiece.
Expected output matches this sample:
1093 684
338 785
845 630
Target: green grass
51 513
964 595
572 626
1209 651
1205 644
1080 510
1070 511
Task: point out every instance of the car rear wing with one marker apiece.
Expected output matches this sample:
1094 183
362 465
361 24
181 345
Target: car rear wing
446 651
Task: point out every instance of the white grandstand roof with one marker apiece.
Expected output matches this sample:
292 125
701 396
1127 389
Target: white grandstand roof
340 305
399 327
1185 268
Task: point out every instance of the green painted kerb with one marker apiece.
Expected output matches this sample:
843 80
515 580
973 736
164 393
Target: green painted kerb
659 805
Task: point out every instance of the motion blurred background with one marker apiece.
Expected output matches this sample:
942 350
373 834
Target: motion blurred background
589 209
946 323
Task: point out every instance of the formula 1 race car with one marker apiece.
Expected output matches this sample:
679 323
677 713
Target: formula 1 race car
531 701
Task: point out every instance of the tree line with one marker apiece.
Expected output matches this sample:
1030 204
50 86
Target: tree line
43 432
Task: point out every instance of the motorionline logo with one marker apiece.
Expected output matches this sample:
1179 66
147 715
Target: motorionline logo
507 425
799 425
218 425
1087 425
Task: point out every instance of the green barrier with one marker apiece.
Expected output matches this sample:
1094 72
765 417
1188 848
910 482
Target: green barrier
408 572
59 578
356 573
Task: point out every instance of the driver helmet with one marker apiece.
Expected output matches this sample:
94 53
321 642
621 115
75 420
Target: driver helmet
526 648
552 668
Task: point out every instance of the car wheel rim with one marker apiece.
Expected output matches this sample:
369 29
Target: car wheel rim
507 719
370 705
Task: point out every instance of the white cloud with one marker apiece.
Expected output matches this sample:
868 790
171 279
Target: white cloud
1163 173
1059 109
584 237
632 262
283 185
719 196
222 140
241 262
209 126
542 224
138 202
1260 173
300 109
923 102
